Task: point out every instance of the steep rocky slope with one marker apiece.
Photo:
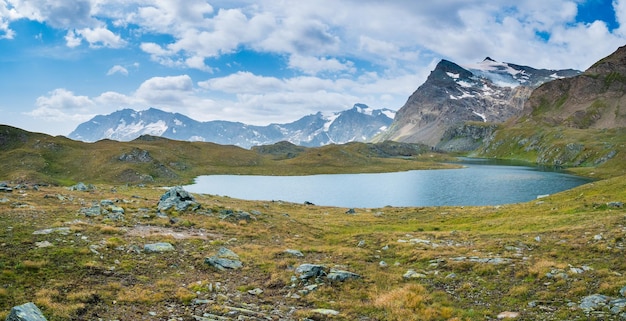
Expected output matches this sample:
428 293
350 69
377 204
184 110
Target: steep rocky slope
579 121
486 92
595 99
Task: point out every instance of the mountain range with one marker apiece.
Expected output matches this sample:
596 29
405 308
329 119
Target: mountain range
358 124
489 92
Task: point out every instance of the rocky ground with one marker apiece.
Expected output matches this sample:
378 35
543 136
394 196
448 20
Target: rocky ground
143 253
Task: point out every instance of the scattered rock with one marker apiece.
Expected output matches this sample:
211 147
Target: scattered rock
508 315
325 311
26 312
81 187
224 259
361 243
256 291
158 247
107 203
116 209
4 200
307 271
412 274
622 291
178 199
234 216
294 252
60 230
43 244
594 302
94 210
351 211
615 204
341 275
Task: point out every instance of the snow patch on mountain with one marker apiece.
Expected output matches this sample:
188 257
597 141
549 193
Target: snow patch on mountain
359 123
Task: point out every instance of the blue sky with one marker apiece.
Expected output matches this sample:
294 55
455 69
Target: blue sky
269 61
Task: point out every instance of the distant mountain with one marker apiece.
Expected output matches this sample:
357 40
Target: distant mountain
489 91
359 123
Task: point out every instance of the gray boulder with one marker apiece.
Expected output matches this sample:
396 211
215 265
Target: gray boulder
340 275
294 252
82 187
224 259
26 312
594 302
178 199
94 210
158 247
307 271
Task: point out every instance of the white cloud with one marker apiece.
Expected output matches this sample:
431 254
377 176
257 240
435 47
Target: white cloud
117 69
101 37
61 105
313 65
57 13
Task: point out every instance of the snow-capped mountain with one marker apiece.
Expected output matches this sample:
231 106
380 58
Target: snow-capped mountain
359 123
488 91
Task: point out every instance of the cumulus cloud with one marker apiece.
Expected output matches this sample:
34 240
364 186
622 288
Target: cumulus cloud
61 105
332 53
101 37
117 69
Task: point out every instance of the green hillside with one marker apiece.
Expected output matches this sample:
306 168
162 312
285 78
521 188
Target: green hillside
33 157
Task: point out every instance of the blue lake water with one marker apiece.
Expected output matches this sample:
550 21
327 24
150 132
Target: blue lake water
478 183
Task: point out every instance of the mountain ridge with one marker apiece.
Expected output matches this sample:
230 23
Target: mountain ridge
489 91
359 123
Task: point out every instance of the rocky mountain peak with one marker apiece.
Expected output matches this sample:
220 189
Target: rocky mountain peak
488 91
594 99
616 62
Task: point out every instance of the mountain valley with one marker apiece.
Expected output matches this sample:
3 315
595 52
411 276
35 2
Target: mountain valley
113 248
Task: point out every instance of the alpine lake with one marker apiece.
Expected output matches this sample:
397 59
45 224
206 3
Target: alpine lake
478 182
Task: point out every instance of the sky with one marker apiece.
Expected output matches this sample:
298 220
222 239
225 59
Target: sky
270 61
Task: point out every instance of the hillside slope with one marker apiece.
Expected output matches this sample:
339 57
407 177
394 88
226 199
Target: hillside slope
34 157
579 121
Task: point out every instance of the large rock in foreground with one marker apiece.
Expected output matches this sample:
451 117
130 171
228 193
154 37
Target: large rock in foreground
26 312
178 199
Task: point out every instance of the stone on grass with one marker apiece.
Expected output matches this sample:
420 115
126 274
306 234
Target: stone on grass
60 230
412 274
224 259
508 315
307 271
341 275
294 252
26 312
82 187
158 247
325 311
178 199
593 302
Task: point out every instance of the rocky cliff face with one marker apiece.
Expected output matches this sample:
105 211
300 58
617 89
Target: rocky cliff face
594 99
578 121
489 92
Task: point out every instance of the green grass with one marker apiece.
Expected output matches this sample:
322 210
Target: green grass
69 281
41 158
96 271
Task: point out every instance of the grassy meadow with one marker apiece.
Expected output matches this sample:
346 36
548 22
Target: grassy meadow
534 260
